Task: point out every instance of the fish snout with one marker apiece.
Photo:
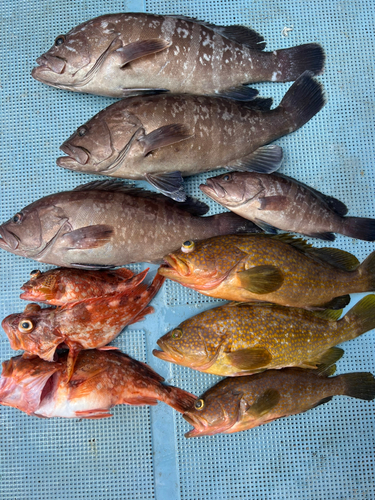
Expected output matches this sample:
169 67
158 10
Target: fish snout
77 155
8 241
213 189
49 63
167 352
198 422
175 264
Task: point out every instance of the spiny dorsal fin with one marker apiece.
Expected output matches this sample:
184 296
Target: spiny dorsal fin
236 33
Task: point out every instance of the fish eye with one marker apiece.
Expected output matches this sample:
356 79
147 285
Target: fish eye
177 333
188 246
60 40
81 131
35 274
199 404
25 326
17 219
226 177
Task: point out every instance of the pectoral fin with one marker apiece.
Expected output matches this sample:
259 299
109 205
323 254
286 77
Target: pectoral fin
171 184
249 359
141 48
88 237
261 279
164 136
265 403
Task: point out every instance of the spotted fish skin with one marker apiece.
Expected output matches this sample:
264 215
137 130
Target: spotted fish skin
276 200
241 339
118 54
63 285
239 403
279 269
108 224
86 324
101 380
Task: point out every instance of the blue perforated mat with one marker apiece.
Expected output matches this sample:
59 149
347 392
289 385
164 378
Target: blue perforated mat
141 452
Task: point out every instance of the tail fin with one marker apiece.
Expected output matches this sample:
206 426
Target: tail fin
179 399
367 271
302 101
230 223
360 228
361 318
359 385
294 61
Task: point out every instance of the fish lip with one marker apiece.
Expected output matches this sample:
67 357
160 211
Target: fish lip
77 155
8 240
200 426
174 263
48 64
167 353
213 189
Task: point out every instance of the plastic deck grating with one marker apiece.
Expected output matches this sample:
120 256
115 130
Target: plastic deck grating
141 452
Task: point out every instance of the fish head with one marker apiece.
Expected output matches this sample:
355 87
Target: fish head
25 381
232 189
32 331
99 144
191 344
217 411
42 287
32 229
72 55
202 265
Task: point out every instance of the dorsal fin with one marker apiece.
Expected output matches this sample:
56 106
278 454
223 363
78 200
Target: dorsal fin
334 204
333 256
236 33
191 205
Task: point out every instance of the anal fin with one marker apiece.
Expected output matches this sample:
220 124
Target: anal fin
93 414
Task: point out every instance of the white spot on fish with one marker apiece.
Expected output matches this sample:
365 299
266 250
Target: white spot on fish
206 57
183 32
104 24
274 76
177 50
274 52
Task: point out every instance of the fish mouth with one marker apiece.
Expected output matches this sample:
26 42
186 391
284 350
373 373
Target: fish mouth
199 423
167 353
213 189
173 265
77 155
8 240
47 64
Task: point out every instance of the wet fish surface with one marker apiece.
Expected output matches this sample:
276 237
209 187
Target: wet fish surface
101 380
277 201
107 224
122 54
88 324
161 138
239 403
274 268
241 339
64 285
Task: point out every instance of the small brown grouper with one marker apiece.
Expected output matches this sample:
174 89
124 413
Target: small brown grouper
277 201
120 54
240 403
